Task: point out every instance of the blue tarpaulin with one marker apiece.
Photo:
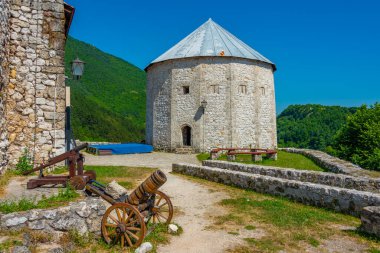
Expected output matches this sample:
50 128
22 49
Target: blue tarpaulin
125 148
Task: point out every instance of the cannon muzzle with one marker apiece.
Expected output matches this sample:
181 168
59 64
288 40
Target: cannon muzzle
149 186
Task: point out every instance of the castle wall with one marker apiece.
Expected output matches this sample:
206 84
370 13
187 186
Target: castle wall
35 93
4 72
240 108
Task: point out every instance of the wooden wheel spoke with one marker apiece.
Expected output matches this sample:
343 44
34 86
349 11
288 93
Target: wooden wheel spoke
118 214
124 212
163 205
122 241
162 216
128 240
132 234
129 216
133 228
131 222
158 218
159 200
110 225
113 218
111 233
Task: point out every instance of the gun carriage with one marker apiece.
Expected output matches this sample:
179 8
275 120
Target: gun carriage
128 217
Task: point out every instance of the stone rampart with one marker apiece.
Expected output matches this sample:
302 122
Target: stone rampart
324 178
370 218
327 161
338 199
83 216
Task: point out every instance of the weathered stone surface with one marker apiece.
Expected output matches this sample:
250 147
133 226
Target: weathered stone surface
331 179
240 108
83 216
327 161
144 248
370 217
20 249
334 198
31 33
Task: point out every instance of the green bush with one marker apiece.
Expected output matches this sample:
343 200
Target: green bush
25 162
359 139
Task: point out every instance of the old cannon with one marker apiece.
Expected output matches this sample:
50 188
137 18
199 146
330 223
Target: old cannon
126 220
77 176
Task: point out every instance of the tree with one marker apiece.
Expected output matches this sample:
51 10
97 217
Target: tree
359 139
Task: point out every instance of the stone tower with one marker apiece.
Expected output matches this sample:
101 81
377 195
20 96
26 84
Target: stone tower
32 78
210 90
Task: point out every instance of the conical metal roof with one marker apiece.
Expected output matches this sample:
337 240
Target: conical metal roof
210 39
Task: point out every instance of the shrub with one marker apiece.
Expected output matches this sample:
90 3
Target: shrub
25 162
359 139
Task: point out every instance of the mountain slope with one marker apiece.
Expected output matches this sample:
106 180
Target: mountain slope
310 126
108 103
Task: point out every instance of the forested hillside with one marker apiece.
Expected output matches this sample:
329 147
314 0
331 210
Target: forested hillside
108 103
310 126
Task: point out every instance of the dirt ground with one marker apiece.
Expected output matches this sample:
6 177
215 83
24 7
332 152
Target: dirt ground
193 203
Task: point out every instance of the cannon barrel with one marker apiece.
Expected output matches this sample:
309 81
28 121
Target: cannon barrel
149 186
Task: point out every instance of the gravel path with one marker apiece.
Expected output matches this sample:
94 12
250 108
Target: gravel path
194 203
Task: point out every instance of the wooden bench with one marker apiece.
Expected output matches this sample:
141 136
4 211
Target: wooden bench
256 153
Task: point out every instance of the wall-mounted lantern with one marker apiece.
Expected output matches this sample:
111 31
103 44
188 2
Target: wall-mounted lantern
77 68
204 105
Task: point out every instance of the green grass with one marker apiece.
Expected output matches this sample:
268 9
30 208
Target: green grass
282 224
284 160
128 177
63 197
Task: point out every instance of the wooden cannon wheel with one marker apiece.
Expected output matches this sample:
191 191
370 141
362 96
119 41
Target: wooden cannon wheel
162 212
122 223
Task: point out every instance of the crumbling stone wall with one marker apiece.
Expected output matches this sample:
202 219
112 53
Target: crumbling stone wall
4 73
327 161
338 199
317 177
35 93
83 216
240 108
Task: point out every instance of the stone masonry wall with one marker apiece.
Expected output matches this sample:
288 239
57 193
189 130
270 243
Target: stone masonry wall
334 198
327 161
35 94
4 73
330 179
240 103
84 216
370 218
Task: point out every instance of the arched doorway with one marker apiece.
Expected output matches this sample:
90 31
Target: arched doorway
186 136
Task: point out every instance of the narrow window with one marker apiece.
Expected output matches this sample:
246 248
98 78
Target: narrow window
262 91
186 89
214 89
243 89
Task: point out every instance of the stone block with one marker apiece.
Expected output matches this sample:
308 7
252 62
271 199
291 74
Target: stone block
370 218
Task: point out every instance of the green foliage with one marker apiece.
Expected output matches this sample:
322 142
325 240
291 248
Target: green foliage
359 139
311 126
25 162
108 102
64 196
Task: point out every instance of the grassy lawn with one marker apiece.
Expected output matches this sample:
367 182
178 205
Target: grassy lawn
265 223
284 160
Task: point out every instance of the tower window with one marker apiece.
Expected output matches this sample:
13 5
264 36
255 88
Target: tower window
186 89
243 89
262 91
214 89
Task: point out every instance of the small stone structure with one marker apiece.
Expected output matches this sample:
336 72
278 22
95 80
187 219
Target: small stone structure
210 65
83 216
339 199
370 218
32 78
327 161
316 177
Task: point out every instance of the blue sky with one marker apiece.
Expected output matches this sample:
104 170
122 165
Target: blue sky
326 52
